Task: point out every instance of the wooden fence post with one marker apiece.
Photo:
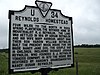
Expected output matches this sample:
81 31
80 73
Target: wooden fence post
77 64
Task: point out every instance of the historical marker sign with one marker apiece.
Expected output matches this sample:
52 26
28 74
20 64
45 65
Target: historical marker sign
39 37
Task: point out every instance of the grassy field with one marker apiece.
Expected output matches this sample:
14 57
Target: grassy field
89 63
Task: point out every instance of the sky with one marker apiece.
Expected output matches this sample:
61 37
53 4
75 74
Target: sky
85 14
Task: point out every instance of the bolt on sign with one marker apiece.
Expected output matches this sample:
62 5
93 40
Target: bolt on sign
39 38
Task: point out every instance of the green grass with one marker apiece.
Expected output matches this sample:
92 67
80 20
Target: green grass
89 63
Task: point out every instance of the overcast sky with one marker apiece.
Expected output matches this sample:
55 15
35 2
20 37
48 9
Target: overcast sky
85 13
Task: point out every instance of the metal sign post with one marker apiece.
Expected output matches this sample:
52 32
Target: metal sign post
40 38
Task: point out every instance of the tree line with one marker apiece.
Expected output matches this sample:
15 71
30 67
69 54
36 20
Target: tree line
88 46
76 46
4 50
